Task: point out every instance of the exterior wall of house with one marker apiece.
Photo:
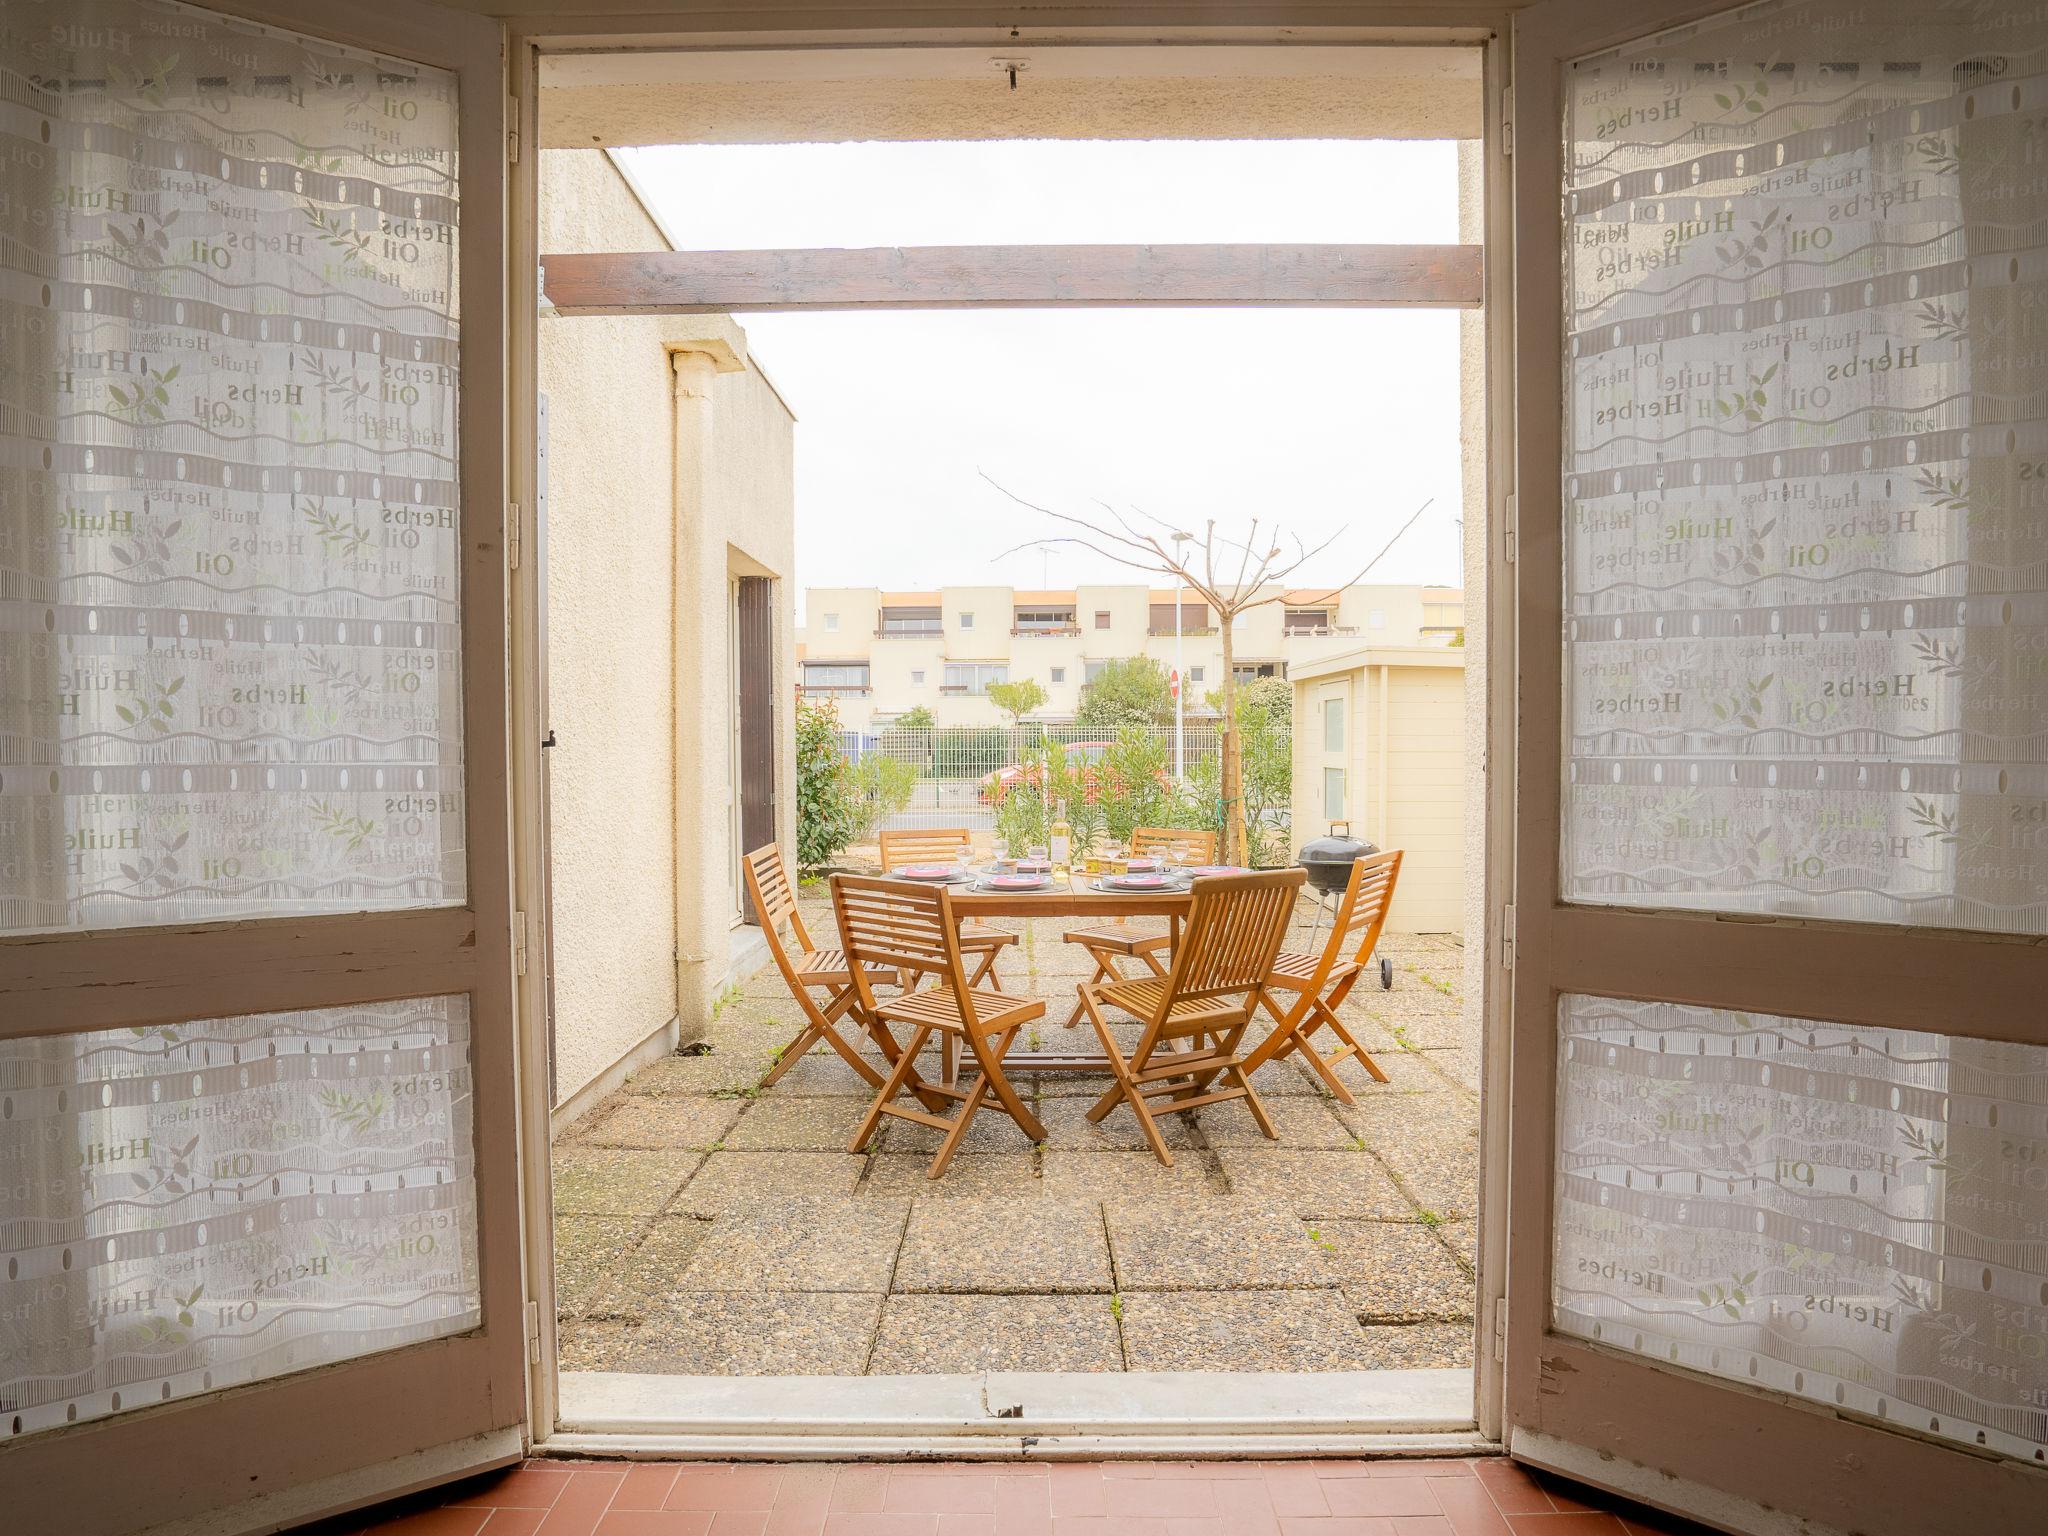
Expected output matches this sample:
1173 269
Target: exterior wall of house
841 625
1396 745
629 922
610 593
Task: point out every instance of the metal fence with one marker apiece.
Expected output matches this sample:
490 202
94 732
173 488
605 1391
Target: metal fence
960 769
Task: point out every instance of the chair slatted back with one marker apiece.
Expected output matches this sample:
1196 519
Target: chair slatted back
1234 928
899 925
1195 846
922 845
1362 912
774 897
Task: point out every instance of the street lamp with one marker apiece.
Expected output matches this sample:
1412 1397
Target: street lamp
1180 679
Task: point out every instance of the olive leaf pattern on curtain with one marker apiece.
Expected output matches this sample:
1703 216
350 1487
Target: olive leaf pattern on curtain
229 687
1806 470
1806 583
229 616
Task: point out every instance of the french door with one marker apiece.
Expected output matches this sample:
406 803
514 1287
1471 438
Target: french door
1779 1187
258 1189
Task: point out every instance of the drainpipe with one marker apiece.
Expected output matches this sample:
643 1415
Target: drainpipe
698 669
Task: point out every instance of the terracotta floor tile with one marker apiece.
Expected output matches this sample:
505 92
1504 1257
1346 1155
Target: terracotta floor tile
1335 1525
1579 1523
1514 1491
448 1520
582 1503
1077 1490
795 1520
1157 1498
521 1488
511 1522
737 1490
972 1493
1423 1525
866 1523
859 1490
738 1522
1296 1492
655 1522
967 1525
1562 1494
1383 1496
1469 1506
645 1486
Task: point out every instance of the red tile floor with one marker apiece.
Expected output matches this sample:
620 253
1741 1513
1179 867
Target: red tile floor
1274 1498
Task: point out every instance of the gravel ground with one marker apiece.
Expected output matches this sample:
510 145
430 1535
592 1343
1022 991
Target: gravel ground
707 1226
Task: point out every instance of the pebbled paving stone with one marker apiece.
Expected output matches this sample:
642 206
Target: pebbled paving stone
924 1335
1242 1331
642 1277
696 1123
729 1333
605 1181
1004 1246
799 1244
1314 1183
731 1178
1395 1271
588 1252
1212 1245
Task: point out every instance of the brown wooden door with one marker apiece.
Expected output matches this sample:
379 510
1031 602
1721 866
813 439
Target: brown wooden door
756 705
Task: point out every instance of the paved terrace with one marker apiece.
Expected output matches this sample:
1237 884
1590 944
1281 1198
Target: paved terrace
707 1226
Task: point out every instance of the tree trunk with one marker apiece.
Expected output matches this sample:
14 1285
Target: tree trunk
1235 848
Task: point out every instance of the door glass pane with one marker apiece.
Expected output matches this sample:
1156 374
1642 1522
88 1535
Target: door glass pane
1806 467
198 1206
229 632
1854 1216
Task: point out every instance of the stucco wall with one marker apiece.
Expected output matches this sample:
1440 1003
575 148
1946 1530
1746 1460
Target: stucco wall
610 587
640 943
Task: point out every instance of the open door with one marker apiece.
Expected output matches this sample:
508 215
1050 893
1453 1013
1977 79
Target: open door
258 1182
1779 1212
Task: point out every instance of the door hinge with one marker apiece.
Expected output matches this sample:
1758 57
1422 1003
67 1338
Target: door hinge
1507 937
511 130
519 943
1507 122
1508 530
533 1333
512 535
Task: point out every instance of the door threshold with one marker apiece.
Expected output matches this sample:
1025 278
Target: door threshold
1010 1415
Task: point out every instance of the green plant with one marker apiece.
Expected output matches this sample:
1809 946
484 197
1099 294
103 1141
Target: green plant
1017 699
1131 691
825 813
969 751
1021 821
918 719
1132 783
881 787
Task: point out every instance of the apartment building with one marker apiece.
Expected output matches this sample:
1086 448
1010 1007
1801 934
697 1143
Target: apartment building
879 654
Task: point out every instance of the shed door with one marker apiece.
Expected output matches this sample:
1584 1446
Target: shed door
1779 1220
258 1189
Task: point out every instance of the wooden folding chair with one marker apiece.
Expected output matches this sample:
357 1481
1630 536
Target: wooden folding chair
1106 943
1234 928
805 970
940 845
1322 982
901 925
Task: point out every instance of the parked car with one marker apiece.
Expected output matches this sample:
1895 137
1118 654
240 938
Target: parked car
998 784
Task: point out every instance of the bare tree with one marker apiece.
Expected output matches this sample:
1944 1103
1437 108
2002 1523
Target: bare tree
1142 542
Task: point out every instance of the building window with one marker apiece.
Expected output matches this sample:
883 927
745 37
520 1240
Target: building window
831 623
917 677
1194 617
1059 674
1333 725
1102 618
973 677
1091 670
1307 621
836 676
1333 794
1195 674
1377 619
1045 621
910 621
966 620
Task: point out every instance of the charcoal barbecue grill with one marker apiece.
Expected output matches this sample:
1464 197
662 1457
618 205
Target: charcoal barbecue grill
1328 860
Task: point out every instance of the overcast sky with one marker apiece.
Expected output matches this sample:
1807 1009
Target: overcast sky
1322 420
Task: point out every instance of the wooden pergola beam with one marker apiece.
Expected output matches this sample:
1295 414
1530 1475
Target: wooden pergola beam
1016 277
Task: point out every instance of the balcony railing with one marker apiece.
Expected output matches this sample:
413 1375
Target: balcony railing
835 690
1045 629
911 629
1168 631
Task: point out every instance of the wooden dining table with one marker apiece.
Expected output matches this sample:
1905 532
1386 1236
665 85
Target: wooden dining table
1072 896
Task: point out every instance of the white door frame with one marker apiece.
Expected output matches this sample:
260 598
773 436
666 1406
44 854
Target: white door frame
1483 26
